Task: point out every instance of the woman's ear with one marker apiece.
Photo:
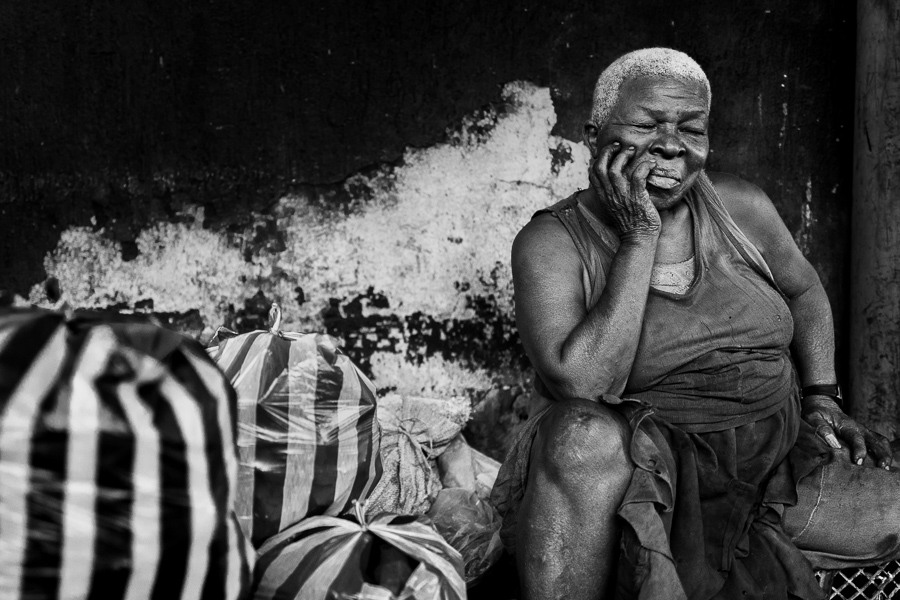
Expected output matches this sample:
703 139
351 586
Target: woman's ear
590 133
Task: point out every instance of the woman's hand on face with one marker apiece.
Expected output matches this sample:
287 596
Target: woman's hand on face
831 423
621 185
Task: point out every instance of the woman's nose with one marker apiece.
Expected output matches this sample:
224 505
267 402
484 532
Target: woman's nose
667 144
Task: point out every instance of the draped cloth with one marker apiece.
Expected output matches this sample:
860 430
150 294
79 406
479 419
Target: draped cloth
717 441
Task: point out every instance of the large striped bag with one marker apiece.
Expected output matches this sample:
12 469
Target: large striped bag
388 557
117 463
308 440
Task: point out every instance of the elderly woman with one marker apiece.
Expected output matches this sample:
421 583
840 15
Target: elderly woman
693 436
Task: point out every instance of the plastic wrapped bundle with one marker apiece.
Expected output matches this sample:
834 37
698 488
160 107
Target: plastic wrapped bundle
416 432
117 463
461 466
308 440
471 525
387 558
433 421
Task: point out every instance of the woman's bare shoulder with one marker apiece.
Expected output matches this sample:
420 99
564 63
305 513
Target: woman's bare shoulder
756 215
542 237
738 195
747 204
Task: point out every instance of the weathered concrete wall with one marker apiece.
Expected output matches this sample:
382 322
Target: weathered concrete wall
367 164
875 272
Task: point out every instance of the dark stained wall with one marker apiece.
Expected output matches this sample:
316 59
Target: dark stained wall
117 115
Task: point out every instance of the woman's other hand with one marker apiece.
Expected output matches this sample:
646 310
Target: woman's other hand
831 423
621 185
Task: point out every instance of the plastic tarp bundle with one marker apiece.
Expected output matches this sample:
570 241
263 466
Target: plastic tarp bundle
471 525
461 466
117 463
415 432
389 557
308 440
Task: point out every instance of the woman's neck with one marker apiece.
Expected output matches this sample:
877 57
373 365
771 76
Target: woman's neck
675 217
676 239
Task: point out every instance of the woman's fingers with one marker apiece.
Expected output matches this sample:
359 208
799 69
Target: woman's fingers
854 435
620 181
823 428
880 448
640 173
827 433
601 167
863 440
615 173
616 169
830 420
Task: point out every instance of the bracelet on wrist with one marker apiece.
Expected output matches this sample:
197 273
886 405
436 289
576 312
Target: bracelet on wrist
832 391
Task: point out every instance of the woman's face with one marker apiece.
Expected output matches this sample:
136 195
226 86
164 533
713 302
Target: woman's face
664 119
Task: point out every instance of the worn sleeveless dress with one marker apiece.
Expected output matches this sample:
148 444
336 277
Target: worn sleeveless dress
713 404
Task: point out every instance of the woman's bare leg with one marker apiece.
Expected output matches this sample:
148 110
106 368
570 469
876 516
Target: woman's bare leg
568 538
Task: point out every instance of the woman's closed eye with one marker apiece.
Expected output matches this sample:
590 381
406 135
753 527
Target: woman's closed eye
692 127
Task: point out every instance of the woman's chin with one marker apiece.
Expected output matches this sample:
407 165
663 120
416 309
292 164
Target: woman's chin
664 199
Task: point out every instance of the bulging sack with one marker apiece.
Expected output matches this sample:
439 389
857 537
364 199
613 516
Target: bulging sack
389 557
117 463
415 431
308 440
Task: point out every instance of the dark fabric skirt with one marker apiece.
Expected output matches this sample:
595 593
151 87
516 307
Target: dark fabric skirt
702 514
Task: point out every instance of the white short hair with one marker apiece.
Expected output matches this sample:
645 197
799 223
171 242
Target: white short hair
652 62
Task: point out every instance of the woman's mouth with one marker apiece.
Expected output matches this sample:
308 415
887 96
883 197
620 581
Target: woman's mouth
663 178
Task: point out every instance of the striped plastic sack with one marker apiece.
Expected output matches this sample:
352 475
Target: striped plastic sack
389 557
117 463
308 440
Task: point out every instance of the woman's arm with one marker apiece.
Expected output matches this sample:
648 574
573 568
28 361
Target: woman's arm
813 345
580 353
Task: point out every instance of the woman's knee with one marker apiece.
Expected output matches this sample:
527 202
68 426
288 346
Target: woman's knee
585 440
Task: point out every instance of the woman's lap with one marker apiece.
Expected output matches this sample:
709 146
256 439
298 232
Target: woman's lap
847 515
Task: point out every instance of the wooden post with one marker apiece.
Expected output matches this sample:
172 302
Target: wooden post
874 386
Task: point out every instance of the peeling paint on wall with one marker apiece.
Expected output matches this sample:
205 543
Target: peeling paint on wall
807 220
179 267
416 262
433 377
437 229
783 132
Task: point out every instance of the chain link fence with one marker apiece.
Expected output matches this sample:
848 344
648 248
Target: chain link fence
879 582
